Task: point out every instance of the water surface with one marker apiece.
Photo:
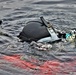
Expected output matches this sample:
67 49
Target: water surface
15 14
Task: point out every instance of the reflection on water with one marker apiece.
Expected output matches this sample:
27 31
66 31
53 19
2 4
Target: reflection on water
15 14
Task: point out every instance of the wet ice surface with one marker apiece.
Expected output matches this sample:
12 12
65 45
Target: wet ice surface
15 14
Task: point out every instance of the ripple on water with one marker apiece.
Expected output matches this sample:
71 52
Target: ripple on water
48 2
4 0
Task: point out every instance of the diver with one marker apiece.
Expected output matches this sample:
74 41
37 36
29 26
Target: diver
43 31
39 31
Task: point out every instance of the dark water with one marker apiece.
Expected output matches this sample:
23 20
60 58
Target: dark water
15 14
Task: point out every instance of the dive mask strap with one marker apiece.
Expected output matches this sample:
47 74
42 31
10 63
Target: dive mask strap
50 29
